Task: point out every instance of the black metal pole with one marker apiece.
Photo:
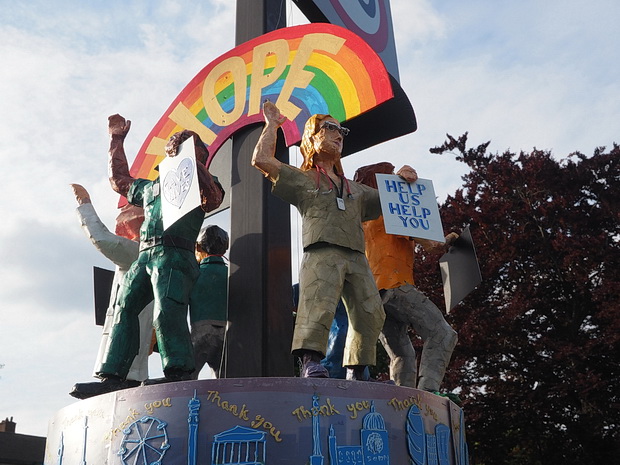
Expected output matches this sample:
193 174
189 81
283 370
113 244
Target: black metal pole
259 301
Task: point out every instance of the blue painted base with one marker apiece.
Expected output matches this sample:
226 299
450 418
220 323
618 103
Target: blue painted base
274 421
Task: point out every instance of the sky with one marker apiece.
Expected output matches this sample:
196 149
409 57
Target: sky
519 74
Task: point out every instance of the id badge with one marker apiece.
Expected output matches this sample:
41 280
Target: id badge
340 203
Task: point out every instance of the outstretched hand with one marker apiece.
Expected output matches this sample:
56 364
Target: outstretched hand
272 114
118 126
81 194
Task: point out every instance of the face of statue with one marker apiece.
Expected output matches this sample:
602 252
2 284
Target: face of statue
329 139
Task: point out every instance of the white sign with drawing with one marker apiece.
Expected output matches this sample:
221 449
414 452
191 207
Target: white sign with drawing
410 209
180 193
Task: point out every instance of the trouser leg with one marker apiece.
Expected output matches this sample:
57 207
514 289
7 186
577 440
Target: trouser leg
321 276
436 354
124 339
365 311
139 369
109 321
172 288
336 342
438 336
397 344
208 342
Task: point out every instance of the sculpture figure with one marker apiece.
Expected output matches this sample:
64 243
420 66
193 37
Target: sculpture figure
391 259
165 269
334 265
122 250
208 303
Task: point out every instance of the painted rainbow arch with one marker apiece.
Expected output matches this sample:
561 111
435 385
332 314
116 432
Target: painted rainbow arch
314 68
369 19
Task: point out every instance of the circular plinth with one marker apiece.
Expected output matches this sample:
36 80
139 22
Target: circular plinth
272 421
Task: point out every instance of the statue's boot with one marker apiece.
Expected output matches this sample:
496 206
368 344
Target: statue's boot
172 375
108 383
311 365
450 395
356 373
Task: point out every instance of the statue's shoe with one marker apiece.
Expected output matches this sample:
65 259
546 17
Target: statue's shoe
450 395
87 390
168 379
314 370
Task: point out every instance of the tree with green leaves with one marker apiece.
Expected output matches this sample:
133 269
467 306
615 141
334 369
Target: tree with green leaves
538 358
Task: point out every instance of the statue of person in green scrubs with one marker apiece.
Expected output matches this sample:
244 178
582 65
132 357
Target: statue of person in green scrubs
208 303
164 271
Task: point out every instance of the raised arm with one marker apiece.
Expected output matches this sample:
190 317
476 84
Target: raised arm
118 169
264 153
211 191
120 250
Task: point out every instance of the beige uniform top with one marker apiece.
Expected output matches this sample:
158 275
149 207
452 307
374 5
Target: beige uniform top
322 220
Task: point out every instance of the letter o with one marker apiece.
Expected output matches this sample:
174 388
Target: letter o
233 70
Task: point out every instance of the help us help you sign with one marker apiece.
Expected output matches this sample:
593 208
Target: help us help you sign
409 209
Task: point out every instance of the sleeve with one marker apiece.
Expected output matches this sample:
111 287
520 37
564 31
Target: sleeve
135 195
372 203
211 191
291 184
120 250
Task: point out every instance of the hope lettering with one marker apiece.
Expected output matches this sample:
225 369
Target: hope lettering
273 56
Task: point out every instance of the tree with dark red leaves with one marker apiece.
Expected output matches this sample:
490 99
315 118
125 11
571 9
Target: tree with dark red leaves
538 359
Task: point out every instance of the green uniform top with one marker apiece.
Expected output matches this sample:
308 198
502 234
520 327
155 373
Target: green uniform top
146 194
322 220
209 298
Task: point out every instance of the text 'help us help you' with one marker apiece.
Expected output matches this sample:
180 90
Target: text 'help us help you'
410 209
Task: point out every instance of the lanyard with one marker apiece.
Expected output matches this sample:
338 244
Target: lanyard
343 181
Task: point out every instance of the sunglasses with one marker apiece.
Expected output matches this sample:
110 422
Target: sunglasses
328 125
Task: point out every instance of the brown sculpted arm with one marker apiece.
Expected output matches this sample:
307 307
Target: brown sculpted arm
211 192
264 153
118 169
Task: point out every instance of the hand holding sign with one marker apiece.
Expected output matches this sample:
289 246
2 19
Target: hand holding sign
408 174
460 271
409 209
